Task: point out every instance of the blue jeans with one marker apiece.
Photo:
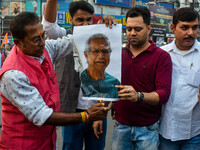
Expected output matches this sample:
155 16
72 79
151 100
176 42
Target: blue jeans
75 135
135 138
191 144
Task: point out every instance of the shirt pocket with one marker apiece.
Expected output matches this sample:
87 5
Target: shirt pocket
193 78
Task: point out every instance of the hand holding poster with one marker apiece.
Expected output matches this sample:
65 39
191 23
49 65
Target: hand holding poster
99 50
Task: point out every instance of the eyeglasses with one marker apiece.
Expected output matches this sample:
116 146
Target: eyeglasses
37 41
97 51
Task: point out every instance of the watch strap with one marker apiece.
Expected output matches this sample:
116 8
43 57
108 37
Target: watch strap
140 97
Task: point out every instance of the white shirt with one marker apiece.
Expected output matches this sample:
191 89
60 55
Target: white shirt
54 31
16 87
180 118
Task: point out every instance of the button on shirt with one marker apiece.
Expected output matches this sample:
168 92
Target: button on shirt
181 114
16 87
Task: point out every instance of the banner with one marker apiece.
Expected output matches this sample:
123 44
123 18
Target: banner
161 19
121 3
145 3
5 8
33 6
15 8
64 19
5 40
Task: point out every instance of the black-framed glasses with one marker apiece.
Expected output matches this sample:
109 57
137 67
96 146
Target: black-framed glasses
98 51
37 40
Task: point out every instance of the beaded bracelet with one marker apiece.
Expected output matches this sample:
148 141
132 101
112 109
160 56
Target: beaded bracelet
85 117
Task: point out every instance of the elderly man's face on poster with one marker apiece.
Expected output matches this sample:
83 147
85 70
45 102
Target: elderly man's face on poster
98 54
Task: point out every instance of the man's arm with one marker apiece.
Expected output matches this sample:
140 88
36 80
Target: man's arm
16 87
127 92
162 84
60 48
50 11
50 26
96 112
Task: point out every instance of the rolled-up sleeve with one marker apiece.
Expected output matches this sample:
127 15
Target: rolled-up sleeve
16 87
164 78
60 48
53 30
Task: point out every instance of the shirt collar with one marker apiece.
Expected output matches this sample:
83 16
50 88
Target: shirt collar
172 47
40 59
151 48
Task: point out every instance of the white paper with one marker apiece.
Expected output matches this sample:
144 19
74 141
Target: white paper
81 35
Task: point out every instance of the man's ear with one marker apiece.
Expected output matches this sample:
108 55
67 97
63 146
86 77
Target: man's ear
173 28
16 41
149 29
19 43
71 20
86 55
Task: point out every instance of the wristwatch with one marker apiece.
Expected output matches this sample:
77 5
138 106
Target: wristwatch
140 97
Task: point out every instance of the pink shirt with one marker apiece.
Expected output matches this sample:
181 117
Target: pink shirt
150 71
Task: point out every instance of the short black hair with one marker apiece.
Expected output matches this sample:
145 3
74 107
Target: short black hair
23 19
187 14
139 11
83 5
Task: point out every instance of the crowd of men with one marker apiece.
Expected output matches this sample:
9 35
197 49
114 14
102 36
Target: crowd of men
158 105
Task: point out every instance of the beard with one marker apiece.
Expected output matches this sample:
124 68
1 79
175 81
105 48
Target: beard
138 44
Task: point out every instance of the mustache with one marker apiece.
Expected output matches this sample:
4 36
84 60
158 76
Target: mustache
190 38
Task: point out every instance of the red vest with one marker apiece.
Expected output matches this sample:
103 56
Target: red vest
17 132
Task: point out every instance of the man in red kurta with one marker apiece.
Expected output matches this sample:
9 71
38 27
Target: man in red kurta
29 89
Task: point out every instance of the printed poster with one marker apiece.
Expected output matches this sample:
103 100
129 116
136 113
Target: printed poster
99 50
15 8
33 6
5 8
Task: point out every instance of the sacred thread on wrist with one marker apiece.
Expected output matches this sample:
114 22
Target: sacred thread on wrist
85 117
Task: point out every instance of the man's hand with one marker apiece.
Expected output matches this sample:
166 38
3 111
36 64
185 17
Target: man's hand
98 111
108 21
98 128
127 92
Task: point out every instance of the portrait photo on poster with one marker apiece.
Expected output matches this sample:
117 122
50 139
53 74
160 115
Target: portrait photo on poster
99 51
